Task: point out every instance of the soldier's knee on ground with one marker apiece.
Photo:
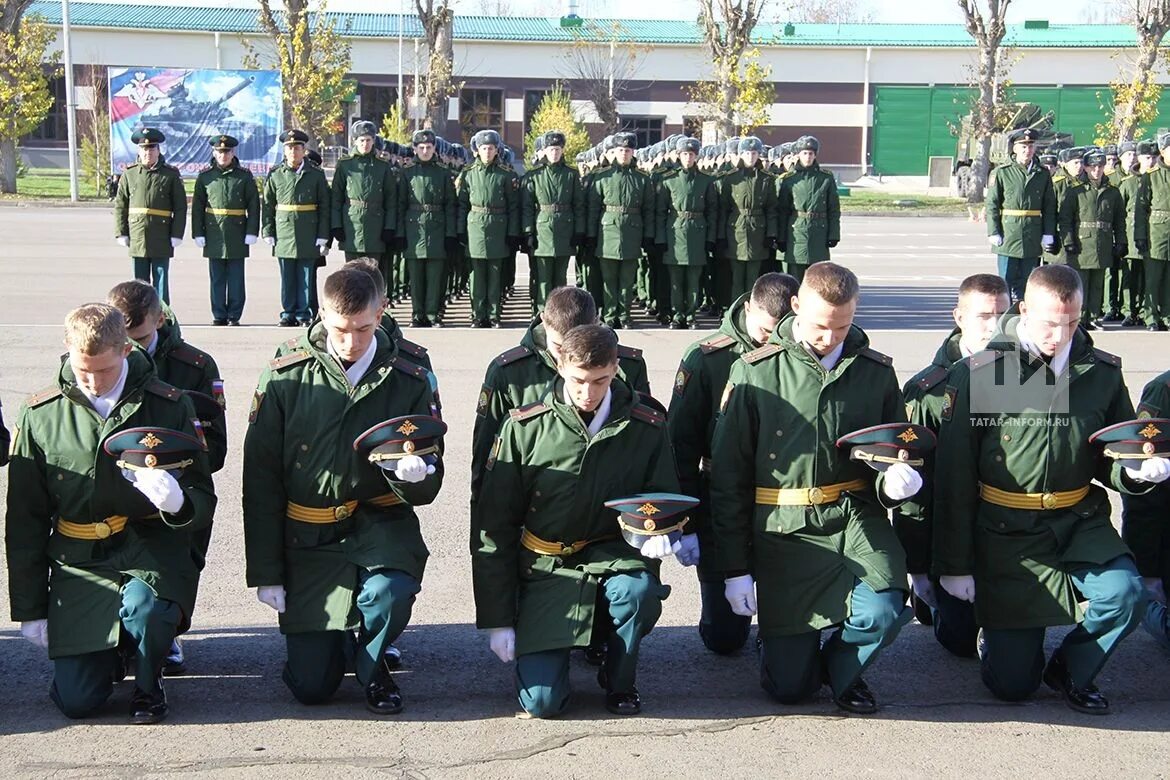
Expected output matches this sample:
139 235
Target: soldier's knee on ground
789 684
543 701
76 702
1014 686
726 636
1157 622
83 683
315 665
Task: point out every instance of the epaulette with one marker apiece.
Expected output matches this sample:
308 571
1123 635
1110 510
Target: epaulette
185 353
756 355
291 343
528 412
410 348
513 354
786 174
406 367
985 358
163 390
1107 357
716 343
646 413
932 377
877 357
648 400
291 359
629 353
1058 177
41 396
132 165
669 173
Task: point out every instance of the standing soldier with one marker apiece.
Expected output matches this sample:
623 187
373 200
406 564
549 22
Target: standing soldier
552 217
1092 229
686 219
489 210
105 548
1113 171
620 222
810 210
1157 297
426 228
225 221
1021 212
364 201
296 225
1125 284
747 216
694 407
150 212
1072 172
331 537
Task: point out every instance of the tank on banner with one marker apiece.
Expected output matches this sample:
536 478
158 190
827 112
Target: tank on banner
189 106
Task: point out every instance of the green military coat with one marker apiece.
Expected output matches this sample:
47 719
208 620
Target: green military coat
620 212
1014 189
151 208
364 202
552 208
427 210
1159 180
747 213
1093 217
547 475
1021 558
810 213
296 210
1143 517
489 209
1135 194
299 447
686 211
782 415
224 209
59 471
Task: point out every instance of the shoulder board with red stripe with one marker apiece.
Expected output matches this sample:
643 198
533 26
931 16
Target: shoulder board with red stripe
528 412
985 358
292 343
647 414
716 343
406 367
410 348
512 355
1107 357
932 378
628 352
41 396
877 357
291 359
756 355
185 353
163 390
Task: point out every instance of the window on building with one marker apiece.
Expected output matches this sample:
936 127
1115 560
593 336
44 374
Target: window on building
53 128
648 131
481 109
376 102
532 100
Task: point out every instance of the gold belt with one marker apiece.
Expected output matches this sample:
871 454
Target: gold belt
335 514
427 207
811 214
1021 213
102 529
555 207
690 214
228 212
1061 499
356 202
296 206
151 212
487 210
1097 225
825 494
539 546
623 210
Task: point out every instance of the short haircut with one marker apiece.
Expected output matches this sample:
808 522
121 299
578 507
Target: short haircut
984 284
94 328
350 291
591 346
1060 280
835 284
369 266
773 292
568 307
137 301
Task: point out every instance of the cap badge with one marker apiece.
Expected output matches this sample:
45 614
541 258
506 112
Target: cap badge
1150 431
150 441
908 435
407 428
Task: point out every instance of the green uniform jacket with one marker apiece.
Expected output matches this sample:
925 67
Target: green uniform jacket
1135 194
747 213
427 211
59 471
1159 179
782 415
810 214
1144 525
547 475
364 202
189 368
489 209
1094 217
621 212
299 447
1014 188
296 231
694 407
686 209
159 189
552 208
219 189
1021 558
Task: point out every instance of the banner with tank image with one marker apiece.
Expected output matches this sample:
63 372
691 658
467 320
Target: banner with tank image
188 107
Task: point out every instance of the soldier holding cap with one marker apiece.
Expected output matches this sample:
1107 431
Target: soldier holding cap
1021 212
552 216
1157 297
810 210
427 228
686 225
364 200
489 216
150 211
93 555
225 221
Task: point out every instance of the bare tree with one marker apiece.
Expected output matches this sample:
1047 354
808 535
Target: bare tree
727 29
988 30
494 7
437 82
828 11
1136 91
601 66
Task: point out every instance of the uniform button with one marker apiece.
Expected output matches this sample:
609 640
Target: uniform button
1007 437
1003 525
298 465
60 477
999 458
538 494
772 456
531 509
779 433
304 448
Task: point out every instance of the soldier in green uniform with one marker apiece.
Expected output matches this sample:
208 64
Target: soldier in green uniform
427 228
225 221
489 215
686 219
1157 296
1072 172
296 225
1126 283
588 269
1019 527
620 223
810 210
694 407
552 217
364 200
794 514
150 211
1021 212
1091 226
546 545
100 543
1112 163
331 538
747 217
983 298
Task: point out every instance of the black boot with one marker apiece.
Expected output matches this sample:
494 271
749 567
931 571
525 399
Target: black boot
147 708
382 694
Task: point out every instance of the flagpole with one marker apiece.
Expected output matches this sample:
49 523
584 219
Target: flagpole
70 101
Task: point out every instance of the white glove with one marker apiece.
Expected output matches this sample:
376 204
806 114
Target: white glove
411 468
272 595
249 239
123 241
503 643
1156 588
740 593
36 631
321 242
200 241
995 240
659 547
901 482
175 242
160 488
688 552
270 240
1154 470
924 589
1047 240
960 586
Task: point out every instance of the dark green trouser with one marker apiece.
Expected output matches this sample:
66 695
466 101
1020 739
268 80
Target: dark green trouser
1157 296
722 282
1113 285
317 659
486 277
82 683
1093 285
722 631
426 286
642 284
685 290
618 277
551 273
743 275
635 604
1133 284
796 270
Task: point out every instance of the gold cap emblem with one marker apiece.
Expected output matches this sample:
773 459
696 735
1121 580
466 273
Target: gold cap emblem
649 509
1150 431
150 441
407 428
908 435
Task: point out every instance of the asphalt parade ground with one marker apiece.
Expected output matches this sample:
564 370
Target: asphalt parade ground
703 715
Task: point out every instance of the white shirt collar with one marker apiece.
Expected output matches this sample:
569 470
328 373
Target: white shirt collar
829 361
355 372
600 416
153 345
104 404
1059 361
963 351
